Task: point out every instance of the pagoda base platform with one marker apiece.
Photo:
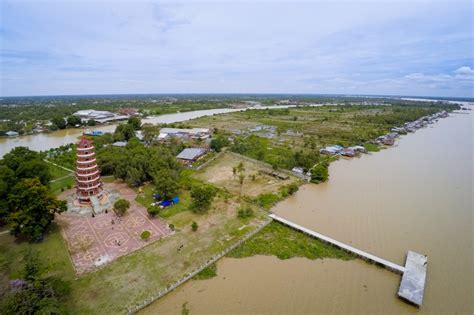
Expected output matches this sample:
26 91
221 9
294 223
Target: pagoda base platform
97 206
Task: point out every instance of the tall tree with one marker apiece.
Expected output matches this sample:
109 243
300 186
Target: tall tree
124 132
19 155
59 122
150 132
166 183
202 197
32 208
136 122
73 121
7 180
34 168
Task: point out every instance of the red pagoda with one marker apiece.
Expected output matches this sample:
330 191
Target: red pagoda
88 183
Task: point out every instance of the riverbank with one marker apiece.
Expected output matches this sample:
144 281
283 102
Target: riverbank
376 203
115 281
54 139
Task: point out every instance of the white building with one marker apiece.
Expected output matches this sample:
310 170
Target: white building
193 133
12 133
100 116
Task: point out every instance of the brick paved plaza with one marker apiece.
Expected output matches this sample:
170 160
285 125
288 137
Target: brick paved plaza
95 241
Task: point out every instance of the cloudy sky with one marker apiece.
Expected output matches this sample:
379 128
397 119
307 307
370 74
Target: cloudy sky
417 47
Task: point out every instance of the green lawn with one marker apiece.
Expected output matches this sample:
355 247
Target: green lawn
57 172
61 179
145 198
63 183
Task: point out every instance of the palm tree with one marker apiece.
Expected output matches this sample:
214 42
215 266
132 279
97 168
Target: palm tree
241 182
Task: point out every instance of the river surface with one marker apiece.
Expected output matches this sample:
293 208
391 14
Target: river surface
45 141
417 195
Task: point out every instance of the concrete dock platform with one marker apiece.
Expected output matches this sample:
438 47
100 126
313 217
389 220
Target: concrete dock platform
413 281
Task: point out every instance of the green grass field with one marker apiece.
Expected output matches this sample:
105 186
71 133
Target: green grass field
61 179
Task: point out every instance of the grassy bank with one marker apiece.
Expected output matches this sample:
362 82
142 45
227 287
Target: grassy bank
207 273
283 242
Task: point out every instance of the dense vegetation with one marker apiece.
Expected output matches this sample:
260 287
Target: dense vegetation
137 163
27 205
35 293
292 137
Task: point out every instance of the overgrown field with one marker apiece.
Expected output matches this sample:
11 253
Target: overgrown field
292 136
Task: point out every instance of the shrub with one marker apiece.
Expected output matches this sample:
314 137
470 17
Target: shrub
171 226
121 206
370 147
153 211
218 143
289 190
202 196
266 201
194 226
320 173
245 212
145 235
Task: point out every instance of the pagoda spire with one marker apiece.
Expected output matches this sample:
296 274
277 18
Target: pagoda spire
88 183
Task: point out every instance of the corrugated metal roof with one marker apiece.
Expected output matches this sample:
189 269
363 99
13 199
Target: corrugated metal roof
191 153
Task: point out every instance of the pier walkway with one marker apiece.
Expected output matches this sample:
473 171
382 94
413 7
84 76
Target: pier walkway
413 274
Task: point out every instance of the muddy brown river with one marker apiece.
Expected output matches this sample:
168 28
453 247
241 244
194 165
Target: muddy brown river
46 141
417 196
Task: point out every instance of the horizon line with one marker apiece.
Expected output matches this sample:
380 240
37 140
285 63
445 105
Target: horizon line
241 94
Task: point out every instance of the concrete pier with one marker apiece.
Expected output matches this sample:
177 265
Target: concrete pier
413 274
414 278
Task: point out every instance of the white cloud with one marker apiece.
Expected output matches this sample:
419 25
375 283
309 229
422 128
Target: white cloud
464 70
270 46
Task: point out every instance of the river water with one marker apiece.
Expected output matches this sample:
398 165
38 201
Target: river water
417 195
45 141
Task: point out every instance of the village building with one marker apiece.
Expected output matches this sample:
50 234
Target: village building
128 111
298 170
331 150
359 149
190 155
191 133
349 152
119 144
12 133
100 116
